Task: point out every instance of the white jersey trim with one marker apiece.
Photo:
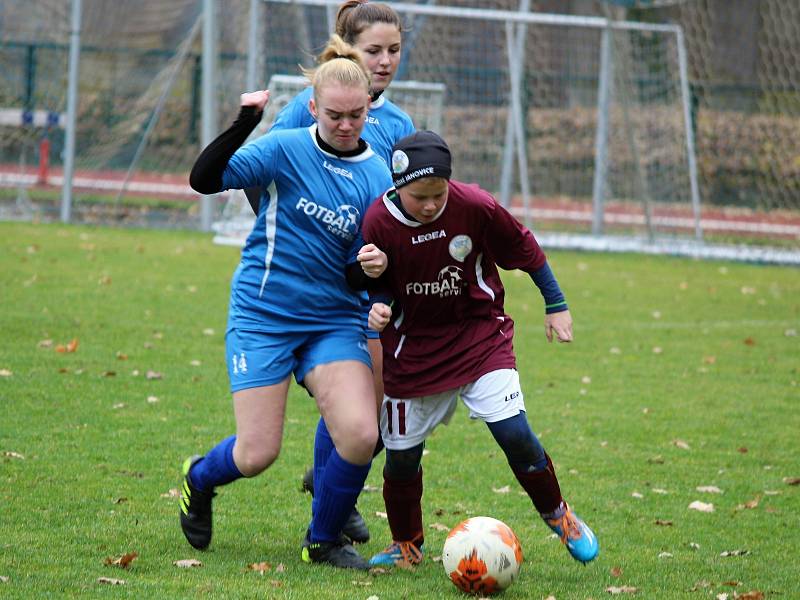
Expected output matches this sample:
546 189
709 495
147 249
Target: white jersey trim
366 154
479 275
270 227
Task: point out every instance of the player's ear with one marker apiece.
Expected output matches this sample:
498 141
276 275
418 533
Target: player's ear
312 108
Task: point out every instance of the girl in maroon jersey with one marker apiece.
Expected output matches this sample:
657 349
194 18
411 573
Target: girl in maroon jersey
445 335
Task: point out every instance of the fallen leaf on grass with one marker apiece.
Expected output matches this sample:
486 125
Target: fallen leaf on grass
656 460
742 450
123 561
381 515
751 595
72 346
791 480
749 342
280 568
172 493
637 495
153 375
362 583
3 579
732 583
259 567
110 581
439 527
701 506
750 504
187 563
12 454
152 399
699 585
708 489
734 553
275 583
45 344
503 490
625 589
680 444
664 522
665 555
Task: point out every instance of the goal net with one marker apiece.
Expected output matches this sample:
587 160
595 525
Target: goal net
421 100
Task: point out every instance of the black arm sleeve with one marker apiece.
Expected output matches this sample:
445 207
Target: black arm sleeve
206 175
355 276
360 281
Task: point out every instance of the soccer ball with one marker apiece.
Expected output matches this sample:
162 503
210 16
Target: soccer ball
482 556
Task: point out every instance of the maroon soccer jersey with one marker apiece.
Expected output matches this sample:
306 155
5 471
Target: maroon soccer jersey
448 324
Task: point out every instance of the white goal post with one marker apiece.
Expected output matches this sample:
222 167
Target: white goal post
587 113
423 101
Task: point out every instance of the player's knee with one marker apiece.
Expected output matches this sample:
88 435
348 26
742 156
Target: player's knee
403 465
253 461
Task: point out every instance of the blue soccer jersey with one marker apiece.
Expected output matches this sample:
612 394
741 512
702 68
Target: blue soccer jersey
291 275
386 123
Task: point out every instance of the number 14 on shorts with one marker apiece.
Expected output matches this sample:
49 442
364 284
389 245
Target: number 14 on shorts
239 363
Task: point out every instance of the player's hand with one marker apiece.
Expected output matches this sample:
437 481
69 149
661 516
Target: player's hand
379 316
373 260
258 99
560 324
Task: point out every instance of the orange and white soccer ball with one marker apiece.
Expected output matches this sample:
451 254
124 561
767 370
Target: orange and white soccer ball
482 556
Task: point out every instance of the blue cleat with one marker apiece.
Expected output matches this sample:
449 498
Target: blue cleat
398 554
575 535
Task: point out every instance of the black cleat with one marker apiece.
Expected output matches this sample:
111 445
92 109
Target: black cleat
308 482
339 554
355 528
195 509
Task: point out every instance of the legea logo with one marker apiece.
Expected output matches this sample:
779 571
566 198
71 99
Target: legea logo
343 222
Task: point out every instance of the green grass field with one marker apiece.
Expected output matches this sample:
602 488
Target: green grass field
683 374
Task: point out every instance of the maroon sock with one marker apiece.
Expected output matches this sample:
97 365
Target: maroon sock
542 487
403 499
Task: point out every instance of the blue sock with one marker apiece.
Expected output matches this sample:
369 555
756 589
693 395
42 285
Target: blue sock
216 467
336 496
323 446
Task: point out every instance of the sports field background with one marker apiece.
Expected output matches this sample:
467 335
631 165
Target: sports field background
683 375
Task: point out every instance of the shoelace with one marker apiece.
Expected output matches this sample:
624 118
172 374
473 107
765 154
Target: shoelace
408 550
568 525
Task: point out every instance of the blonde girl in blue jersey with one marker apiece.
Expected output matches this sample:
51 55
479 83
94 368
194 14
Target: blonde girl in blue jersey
291 311
376 30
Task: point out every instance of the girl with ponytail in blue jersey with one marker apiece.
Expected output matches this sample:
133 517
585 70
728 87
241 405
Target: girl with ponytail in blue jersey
291 310
375 29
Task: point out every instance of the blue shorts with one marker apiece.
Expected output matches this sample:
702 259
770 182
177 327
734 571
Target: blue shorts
257 359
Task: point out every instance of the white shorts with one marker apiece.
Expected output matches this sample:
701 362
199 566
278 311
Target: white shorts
408 422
